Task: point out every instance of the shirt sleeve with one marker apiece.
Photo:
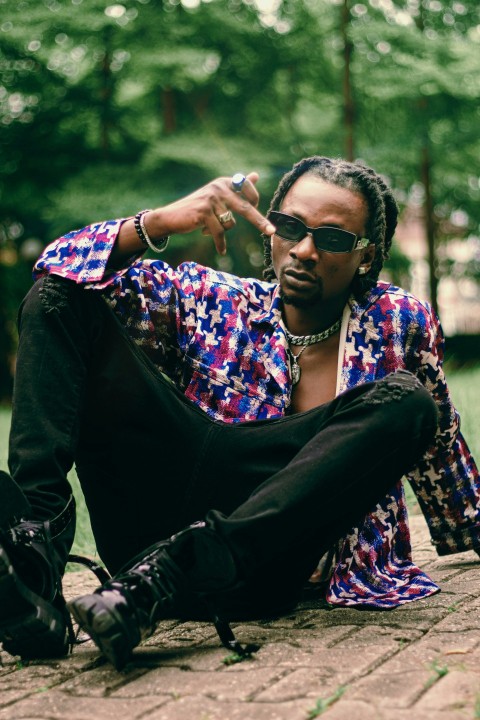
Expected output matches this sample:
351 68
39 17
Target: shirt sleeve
82 255
446 481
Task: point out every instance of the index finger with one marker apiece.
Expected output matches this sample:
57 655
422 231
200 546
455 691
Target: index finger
249 191
245 204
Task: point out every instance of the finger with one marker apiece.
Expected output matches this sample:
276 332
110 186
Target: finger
225 218
249 212
215 228
249 191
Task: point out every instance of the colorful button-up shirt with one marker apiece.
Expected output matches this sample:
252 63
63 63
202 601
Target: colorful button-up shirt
221 340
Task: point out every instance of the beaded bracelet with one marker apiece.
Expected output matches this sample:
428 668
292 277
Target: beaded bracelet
145 238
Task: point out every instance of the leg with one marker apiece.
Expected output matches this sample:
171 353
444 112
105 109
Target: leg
33 552
351 452
70 348
354 449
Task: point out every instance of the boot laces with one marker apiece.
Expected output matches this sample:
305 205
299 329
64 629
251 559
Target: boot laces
102 576
161 575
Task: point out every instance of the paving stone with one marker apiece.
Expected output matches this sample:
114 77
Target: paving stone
221 686
205 709
54 705
345 709
455 691
401 687
418 662
303 682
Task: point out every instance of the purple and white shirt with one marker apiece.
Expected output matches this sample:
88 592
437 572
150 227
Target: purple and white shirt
221 340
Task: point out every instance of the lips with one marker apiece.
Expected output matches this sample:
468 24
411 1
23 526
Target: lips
299 277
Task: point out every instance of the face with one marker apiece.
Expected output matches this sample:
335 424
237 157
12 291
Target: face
308 276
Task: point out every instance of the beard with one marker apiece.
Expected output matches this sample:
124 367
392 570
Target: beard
302 301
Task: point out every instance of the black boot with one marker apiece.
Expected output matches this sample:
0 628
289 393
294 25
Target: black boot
127 609
34 620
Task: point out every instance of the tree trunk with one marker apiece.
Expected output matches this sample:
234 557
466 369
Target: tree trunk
348 104
429 224
169 111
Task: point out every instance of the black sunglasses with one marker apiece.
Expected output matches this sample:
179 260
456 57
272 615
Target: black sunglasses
329 239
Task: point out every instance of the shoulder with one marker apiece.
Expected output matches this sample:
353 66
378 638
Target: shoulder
390 300
206 281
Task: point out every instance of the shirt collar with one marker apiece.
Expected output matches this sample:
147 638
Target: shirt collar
359 307
273 315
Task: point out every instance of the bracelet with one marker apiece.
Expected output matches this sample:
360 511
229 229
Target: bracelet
145 238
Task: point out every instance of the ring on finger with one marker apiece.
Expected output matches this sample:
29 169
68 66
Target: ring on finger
237 182
225 217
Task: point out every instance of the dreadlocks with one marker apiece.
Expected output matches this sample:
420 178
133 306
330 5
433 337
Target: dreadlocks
382 208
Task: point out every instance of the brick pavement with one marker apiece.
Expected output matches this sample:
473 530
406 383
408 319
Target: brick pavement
418 662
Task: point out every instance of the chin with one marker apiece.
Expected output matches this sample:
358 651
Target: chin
300 301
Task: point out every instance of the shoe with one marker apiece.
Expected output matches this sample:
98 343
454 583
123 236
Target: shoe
127 609
34 621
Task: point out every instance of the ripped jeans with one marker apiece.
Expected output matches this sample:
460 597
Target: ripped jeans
150 462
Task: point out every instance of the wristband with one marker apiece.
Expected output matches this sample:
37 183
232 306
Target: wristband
145 238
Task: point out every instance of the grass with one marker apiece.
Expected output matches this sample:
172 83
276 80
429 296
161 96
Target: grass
464 387
84 543
323 704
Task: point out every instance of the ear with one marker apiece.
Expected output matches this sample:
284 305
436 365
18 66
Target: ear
367 260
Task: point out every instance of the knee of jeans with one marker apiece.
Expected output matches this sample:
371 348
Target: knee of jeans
415 403
401 386
54 293
49 294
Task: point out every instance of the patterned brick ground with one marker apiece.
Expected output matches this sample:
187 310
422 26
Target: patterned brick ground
419 662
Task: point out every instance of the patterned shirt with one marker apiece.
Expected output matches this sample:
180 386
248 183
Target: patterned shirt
221 340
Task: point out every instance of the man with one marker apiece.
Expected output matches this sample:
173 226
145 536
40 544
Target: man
253 422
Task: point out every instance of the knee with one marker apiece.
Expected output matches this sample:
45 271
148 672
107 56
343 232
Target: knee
411 403
53 293
48 294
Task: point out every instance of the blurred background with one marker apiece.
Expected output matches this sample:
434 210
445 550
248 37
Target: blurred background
106 109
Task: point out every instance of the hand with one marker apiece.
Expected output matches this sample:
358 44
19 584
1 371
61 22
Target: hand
202 209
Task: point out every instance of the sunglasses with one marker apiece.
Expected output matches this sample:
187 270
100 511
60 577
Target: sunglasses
329 239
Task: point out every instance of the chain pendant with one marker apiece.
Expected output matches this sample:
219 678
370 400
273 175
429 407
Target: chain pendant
296 371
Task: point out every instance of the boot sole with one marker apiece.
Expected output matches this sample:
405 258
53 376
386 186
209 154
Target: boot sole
106 627
29 625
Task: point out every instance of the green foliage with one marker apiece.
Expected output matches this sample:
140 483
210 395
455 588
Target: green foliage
323 704
439 672
108 108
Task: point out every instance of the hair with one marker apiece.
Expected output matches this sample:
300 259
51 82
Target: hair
361 179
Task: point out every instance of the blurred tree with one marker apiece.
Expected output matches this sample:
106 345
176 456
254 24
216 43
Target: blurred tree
417 79
107 108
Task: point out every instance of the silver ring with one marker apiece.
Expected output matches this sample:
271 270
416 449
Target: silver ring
225 217
237 182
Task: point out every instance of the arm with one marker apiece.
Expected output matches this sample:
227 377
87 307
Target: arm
92 254
446 480
201 209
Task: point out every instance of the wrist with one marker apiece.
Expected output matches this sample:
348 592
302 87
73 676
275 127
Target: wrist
148 234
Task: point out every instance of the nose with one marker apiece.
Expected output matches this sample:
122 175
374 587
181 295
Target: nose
305 249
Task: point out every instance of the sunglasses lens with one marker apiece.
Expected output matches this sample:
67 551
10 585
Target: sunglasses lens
333 240
288 227
330 239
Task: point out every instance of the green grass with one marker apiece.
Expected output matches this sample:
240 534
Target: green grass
465 389
84 543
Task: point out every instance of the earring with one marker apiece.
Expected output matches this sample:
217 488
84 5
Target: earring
362 270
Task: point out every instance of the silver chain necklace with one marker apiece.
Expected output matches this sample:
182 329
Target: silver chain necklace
307 340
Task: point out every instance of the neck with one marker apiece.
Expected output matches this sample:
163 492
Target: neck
306 321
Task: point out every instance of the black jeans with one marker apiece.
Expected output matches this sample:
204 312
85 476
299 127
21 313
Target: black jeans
150 462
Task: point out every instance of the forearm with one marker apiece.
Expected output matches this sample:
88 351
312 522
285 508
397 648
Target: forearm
128 242
201 210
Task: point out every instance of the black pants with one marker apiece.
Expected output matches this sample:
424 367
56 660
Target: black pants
150 462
